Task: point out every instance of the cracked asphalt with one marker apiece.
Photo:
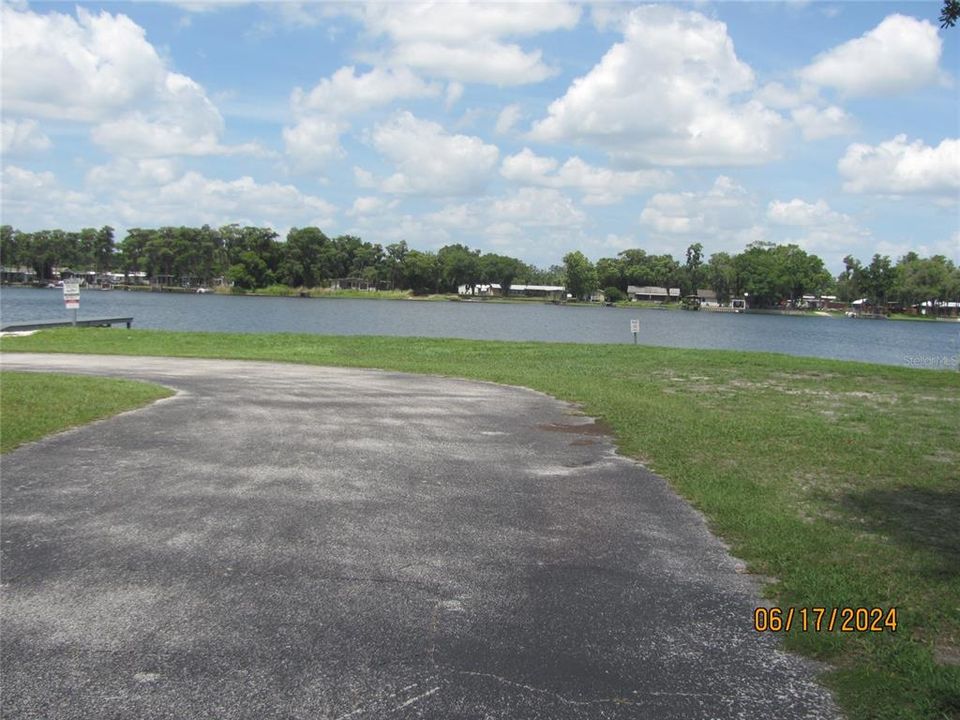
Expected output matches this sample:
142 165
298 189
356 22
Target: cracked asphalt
284 541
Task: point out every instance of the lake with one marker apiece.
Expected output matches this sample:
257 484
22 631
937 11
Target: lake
915 344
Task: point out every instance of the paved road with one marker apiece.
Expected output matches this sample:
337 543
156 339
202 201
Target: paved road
280 541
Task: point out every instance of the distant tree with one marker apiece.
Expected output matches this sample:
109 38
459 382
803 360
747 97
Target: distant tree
635 268
721 276
878 279
251 272
233 240
86 241
666 271
10 250
553 275
755 267
919 279
393 262
349 256
614 294
798 272
420 271
501 270
581 274
365 260
103 250
950 13
773 273
848 281
610 273
692 273
306 260
459 265
46 250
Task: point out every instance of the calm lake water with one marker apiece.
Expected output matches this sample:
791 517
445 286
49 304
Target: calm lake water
916 344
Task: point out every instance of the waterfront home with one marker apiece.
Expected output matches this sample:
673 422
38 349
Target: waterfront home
136 277
940 308
356 283
17 274
653 294
708 297
552 292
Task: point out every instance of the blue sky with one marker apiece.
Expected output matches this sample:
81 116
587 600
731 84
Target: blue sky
530 129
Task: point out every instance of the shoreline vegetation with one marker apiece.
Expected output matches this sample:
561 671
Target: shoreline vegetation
762 275
835 482
332 294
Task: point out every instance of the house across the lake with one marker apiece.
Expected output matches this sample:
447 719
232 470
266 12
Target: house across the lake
17 274
551 292
939 308
708 298
653 294
356 283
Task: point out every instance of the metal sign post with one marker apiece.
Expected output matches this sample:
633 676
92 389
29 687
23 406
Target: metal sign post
71 298
635 328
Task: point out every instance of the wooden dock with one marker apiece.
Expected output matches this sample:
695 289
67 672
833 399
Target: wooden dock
94 322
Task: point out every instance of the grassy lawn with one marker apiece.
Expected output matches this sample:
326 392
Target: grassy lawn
838 481
33 405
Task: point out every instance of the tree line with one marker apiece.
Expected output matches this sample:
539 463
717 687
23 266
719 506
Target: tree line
251 258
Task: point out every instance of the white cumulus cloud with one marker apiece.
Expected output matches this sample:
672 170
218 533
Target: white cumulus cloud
152 192
431 161
313 142
22 137
216 201
668 94
34 200
346 93
466 41
726 213
125 173
818 123
537 207
100 69
507 119
601 186
322 114
899 167
369 204
817 228
800 213
898 55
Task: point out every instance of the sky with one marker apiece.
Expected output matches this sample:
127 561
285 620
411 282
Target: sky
526 128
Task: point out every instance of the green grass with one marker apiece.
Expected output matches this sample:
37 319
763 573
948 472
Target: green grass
838 481
286 291
33 405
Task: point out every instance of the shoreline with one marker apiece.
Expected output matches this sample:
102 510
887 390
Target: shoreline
395 295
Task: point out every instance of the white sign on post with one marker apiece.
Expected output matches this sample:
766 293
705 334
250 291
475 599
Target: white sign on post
71 296
634 326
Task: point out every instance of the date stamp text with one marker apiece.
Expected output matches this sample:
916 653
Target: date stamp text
825 619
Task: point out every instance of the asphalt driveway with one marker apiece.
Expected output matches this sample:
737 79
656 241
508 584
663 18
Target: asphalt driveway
283 541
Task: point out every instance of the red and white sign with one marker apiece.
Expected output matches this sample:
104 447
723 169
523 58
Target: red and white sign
71 294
